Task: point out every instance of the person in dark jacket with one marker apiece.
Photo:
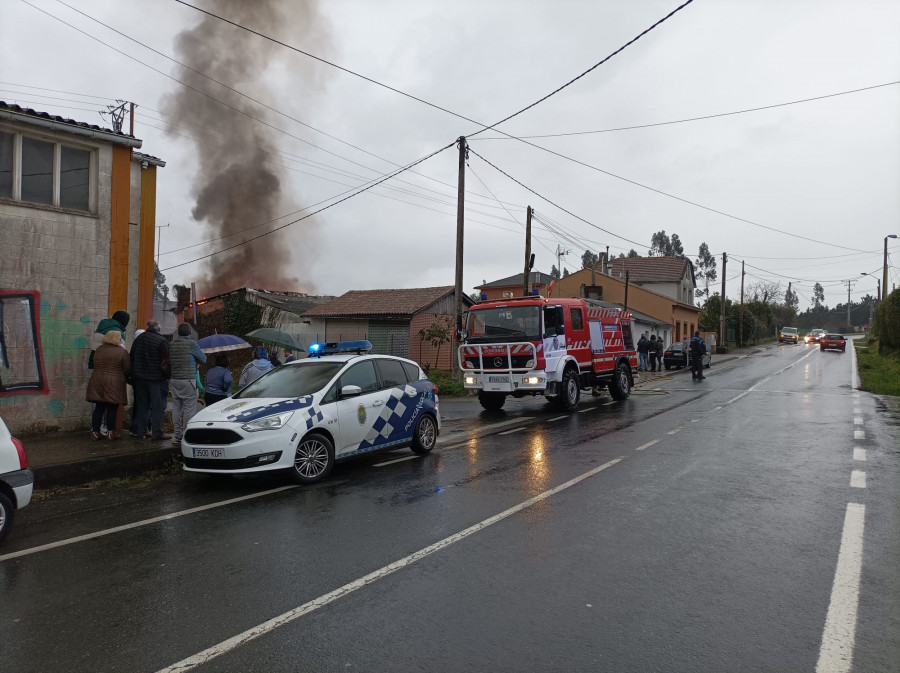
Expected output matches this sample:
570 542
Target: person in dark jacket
184 356
651 352
698 350
658 353
119 321
149 373
218 381
107 385
643 349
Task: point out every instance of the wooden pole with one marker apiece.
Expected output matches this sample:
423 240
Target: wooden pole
460 221
722 318
526 279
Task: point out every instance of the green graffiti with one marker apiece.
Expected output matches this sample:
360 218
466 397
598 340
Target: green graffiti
56 406
61 306
80 342
45 307
85 319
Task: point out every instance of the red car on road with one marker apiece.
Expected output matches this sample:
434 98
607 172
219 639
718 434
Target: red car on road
832 342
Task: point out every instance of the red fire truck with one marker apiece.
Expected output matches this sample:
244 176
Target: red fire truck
554 347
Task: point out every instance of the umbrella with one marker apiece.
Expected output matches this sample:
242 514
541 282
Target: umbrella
218 343
275 337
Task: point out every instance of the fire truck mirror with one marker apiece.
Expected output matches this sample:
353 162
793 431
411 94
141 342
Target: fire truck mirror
560 330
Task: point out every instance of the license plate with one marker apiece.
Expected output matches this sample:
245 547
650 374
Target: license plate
209 453
498 379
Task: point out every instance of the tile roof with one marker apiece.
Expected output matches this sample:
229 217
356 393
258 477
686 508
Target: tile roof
651 269
372 303
537 278
30 112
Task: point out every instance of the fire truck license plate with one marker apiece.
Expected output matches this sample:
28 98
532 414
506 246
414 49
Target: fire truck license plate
498 379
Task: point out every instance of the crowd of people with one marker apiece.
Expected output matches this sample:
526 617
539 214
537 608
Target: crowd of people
650 353
154 368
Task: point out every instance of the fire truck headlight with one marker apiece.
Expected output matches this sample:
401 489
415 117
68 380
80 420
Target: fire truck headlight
532 380
470 380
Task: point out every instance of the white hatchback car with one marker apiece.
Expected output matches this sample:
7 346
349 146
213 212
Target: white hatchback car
302 416
16 480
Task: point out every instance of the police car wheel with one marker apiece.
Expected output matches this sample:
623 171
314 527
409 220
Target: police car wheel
313 459
7 513
425 435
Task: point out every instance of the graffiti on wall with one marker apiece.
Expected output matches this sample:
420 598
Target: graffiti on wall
21 358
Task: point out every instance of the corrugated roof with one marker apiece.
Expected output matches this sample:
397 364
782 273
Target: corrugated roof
372 303
536 278
30 112
651 269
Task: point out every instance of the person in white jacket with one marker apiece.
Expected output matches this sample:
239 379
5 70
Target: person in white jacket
255 368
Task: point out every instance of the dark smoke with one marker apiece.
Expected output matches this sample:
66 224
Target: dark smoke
238 182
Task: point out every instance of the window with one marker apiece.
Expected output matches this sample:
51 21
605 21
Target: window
412 372
392 373
45 172
575 316
362 375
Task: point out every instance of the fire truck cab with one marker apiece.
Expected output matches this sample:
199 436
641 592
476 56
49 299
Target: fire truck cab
554 347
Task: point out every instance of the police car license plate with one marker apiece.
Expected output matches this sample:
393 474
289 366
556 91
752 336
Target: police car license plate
498 379
209 453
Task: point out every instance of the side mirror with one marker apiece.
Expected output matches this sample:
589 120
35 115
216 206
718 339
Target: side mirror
560 330
463 335
351 391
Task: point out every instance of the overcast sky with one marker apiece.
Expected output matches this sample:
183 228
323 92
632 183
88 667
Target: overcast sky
827 170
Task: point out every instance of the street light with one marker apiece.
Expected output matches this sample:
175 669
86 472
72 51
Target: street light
877 280
884 277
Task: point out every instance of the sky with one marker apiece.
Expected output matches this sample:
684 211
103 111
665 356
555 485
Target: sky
801 193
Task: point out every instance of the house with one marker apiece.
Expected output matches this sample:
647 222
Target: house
669 276
513 286
78 216
393 320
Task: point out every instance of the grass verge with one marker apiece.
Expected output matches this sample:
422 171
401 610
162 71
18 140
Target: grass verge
879 374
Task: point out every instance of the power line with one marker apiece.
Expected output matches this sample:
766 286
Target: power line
693 119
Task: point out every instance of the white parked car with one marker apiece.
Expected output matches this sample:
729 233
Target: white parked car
16 480
302 416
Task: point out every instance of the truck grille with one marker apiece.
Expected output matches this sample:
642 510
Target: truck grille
501 362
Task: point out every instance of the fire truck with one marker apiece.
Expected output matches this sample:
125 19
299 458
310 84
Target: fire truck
554 347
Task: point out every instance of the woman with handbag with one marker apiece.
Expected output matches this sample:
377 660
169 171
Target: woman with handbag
106 387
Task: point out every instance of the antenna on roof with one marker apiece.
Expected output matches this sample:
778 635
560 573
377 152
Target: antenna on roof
117 114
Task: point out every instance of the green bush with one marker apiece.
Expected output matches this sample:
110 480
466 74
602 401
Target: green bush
447 387
887 323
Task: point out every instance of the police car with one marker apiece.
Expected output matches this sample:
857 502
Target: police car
341 401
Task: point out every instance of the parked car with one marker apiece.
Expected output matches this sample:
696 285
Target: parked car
303 416
16 480
833 342
814 336
679 355
789 335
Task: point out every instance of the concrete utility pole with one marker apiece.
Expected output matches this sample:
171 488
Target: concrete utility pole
884 282
625 303
741 338
526 279
722 318
848 304
460 221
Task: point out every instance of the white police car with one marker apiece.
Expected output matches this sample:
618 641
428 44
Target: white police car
302 416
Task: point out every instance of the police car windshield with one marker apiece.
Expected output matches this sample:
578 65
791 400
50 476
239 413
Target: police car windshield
509 323
298 380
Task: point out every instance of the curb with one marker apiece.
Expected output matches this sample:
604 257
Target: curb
103 467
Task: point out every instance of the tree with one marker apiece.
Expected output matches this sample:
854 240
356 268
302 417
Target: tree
818 295
706 265
438 333
661 245
554 272
791 299
160 289
588 259
676 249
565 272
631 253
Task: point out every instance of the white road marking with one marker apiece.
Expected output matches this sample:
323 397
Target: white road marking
675 431
558 418
291 615
857 410
717 408
647 445
735 399
859 434
858 420
396 460
858 453
509 432
839 634
606 404
138 524
854 377
584 411
695 420
858 479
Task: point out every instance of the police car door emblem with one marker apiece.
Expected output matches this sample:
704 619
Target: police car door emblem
361 413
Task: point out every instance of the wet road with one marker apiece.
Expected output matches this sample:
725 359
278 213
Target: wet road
748 522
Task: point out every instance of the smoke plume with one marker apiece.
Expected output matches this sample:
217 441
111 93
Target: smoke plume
238 181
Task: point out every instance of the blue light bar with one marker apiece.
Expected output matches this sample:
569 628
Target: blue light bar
332 348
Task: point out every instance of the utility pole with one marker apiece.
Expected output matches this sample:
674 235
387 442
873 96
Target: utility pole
526 279
722 318
460 221
848 303
625 303
741 337
131 117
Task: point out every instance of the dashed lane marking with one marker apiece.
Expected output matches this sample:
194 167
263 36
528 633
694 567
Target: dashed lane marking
396 460
606 404
292 615
557 418
584 411
858 479
839 634
675 431
858 420
859 434
858 453
647 445
509 432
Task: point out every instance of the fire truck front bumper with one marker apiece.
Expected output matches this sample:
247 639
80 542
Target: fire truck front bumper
505 382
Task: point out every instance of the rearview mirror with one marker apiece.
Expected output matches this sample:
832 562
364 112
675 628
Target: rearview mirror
351 391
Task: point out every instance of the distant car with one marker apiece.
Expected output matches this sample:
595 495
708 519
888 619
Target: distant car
814 336
833 342
302 416
16 480
678 355
789 335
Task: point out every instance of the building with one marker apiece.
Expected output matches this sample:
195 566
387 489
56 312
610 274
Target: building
669 276
78 216
395 321
513 286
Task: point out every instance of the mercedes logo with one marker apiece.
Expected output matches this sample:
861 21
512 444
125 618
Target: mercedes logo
498 362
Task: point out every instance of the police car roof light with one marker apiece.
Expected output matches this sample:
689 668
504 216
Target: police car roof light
333 348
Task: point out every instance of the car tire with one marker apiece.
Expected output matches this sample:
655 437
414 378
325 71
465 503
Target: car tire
425 435
7 514
620 385
668 366
491 401
821 348
570 391
313 459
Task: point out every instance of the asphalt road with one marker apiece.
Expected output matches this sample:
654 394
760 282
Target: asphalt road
747 522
